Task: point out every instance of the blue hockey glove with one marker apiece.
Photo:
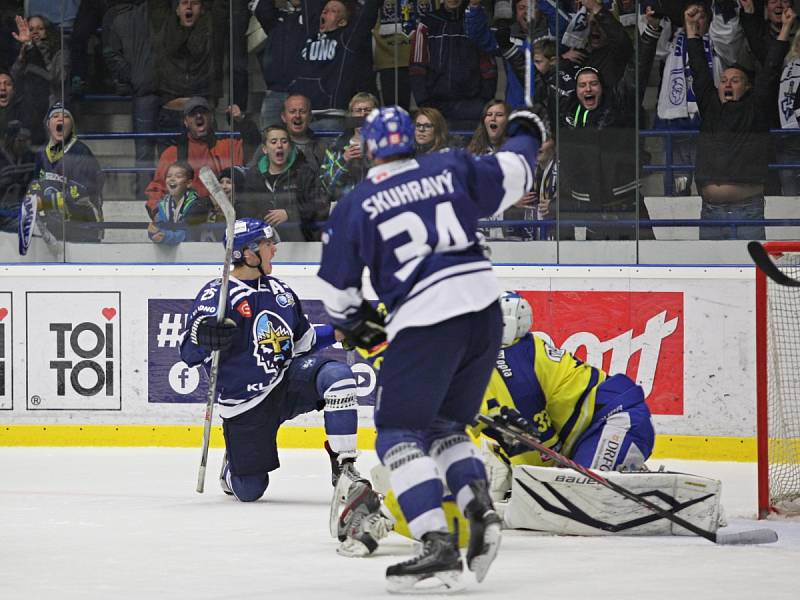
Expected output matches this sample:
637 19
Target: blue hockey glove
525 120
366 330
206 332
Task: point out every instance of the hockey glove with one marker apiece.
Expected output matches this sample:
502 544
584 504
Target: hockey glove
206 332
525 120
366 330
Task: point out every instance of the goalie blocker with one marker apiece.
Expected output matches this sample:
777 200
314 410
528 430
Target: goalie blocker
567 503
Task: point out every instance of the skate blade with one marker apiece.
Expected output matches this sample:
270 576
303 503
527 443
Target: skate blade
337 506
443 582
491 544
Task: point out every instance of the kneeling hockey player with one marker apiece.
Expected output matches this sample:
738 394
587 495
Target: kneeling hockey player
268 371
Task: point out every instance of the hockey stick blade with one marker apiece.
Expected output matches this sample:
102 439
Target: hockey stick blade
221 200
757 536
752 536
218 195
770 269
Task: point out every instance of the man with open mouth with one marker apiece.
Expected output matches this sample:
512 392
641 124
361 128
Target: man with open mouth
734 146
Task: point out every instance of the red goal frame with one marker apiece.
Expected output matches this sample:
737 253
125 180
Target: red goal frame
774 249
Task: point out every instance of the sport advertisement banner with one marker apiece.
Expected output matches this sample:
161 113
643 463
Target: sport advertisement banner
169 379
637 333
75 362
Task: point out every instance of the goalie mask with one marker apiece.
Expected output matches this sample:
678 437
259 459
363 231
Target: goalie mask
517 317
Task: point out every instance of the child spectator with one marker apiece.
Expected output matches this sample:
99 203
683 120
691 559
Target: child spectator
491 131
283 190
180 209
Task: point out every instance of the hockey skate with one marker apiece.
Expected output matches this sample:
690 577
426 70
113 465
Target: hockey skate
362 523
223 474
343 475
439 566
485 527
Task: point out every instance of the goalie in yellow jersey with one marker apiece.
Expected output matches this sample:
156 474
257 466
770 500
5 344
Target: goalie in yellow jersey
597 420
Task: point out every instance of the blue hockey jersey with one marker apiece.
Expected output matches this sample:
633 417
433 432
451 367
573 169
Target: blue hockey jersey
413 223
272 330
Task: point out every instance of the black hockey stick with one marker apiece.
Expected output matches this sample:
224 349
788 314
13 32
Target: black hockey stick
514 428
221 200
770 269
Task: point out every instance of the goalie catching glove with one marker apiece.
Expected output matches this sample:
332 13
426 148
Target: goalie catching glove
364 330
206 332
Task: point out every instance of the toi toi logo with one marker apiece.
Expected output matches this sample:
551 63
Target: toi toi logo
94 345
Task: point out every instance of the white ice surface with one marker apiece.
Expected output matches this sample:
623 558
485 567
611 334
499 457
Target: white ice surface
126 523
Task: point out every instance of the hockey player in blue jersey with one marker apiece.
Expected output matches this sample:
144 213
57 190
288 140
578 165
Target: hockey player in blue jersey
268 372
413 223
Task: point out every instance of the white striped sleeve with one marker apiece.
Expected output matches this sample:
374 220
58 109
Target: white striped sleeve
517 177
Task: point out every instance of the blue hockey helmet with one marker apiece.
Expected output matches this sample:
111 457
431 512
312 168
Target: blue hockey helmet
247 233
388 131
517 317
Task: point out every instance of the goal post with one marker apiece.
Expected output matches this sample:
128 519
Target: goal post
778 384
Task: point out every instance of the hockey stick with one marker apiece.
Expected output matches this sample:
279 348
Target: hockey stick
769 268
221 200
529 77
507 425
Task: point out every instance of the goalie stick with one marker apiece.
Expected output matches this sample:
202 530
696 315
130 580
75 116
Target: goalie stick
221 200
514 428
770 269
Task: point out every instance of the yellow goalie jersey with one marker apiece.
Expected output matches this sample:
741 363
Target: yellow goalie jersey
550 388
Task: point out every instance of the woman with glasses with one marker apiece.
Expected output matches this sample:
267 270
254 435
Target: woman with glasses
431 133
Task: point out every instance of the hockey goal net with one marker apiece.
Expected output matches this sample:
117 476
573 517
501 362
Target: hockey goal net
778 384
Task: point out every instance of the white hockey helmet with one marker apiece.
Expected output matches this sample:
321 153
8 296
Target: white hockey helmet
517 317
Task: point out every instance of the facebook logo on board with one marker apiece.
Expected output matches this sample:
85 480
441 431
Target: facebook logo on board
169 379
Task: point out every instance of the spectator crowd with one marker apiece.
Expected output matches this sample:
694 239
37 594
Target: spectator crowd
722 74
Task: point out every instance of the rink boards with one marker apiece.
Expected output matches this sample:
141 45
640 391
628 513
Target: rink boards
89 353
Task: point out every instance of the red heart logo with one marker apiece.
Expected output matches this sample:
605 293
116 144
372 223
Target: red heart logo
3 313
109 313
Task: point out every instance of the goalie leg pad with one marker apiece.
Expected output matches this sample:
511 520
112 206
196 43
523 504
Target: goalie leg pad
415 479
565 502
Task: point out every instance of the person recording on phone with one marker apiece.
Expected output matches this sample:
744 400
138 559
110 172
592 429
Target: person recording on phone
345 164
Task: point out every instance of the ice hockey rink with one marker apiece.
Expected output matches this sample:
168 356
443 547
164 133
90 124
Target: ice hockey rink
127 524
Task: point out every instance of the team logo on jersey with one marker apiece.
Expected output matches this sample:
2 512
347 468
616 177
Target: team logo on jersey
284 300
243 308
272 341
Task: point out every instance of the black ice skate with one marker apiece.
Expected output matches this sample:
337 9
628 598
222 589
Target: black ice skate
362 522
485 527
438 565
